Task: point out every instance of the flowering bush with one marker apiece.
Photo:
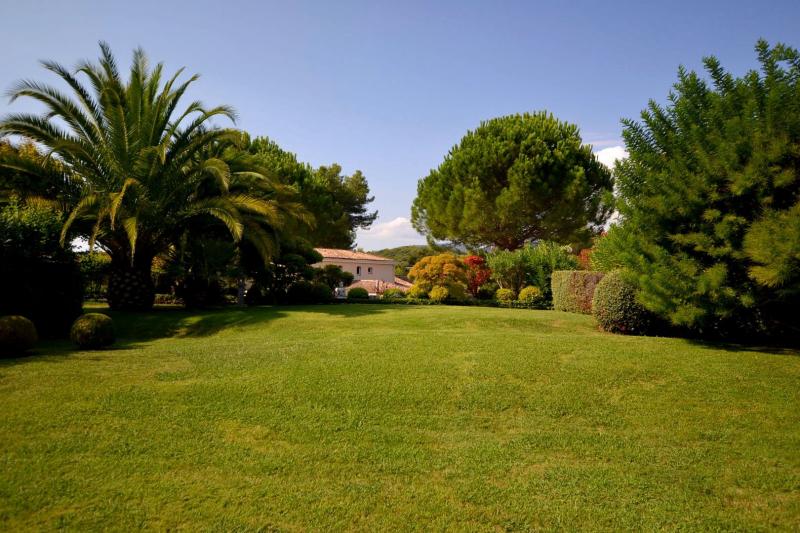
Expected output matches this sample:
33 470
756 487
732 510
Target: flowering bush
477 273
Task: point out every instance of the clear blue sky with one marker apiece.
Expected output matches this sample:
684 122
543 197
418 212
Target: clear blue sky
389 87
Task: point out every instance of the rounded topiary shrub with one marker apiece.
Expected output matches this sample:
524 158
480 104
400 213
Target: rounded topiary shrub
17 335
615 307
92 331
505 295
530 295
357 293
439 294
393 294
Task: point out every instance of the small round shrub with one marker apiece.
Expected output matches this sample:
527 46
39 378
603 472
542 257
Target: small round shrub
505 295
439 294
418 291
393 294
321 293
530 295
92 331
17 335
357 293
615 307
487 290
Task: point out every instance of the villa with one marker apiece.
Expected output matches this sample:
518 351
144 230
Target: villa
372 272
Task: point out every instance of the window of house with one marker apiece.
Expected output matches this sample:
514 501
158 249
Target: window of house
369 270
358 270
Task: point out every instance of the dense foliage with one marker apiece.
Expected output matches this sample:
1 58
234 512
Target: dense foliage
92 331
137 172
573 290
615 308
333 276
94 267
357 293
17 335
710 200
307 292
530 265
477 273
530 295
407 256
515 179
39 278
443 270
505 295
338 201
439 294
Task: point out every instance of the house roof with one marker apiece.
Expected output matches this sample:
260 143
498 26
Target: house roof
335 253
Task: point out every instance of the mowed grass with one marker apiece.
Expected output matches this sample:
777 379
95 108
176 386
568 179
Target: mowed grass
367 417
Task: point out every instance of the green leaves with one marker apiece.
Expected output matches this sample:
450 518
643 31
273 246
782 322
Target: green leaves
709 196
513 179
129 153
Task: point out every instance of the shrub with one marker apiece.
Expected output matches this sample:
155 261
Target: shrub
530 295
530 265
439 294
393 294
92 331
17 335
418 291
39 278
333 276
505 295
615 307
573 290
94 267
445 270
321 293
304 292
300 292
487 290
477 273
357 293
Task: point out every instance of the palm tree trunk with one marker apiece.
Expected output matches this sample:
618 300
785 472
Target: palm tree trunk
130 286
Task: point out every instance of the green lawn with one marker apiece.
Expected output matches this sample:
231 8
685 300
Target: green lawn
373 417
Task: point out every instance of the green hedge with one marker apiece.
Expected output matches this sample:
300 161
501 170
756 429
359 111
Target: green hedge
573 290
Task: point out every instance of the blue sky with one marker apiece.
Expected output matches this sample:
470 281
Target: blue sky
390 87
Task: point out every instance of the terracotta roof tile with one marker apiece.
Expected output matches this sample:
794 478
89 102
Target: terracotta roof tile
335 253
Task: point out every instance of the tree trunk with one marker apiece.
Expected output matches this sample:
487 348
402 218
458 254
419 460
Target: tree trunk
130 287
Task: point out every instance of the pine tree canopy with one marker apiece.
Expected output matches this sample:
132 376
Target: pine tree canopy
514 179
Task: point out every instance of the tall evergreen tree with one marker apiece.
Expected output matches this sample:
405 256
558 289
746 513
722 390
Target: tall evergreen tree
515 179
709 198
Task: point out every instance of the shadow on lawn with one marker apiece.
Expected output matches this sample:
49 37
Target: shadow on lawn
746 348
134 329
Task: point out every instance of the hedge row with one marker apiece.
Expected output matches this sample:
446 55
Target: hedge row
573 290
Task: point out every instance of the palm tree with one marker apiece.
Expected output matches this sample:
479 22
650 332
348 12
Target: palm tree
140 172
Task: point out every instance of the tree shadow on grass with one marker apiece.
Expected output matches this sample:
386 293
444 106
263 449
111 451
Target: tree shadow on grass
162 322
746 348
